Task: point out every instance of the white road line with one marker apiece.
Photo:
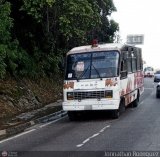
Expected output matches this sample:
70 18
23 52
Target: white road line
26 132
85 141
79 145
52 122
101 131
21 134
106 127
93 136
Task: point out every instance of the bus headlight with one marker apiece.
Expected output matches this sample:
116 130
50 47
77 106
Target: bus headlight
108 94
69 95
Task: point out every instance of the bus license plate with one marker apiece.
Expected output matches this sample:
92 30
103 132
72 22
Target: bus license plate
88 107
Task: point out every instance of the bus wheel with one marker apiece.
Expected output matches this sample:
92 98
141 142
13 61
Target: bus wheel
72 115
122 107
115 114
118 112
135 102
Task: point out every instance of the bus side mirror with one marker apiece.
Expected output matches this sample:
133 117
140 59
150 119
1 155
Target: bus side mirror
123 74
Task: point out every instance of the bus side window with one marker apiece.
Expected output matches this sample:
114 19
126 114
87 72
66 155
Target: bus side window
123 70
139 60
134 61
123 65
129 65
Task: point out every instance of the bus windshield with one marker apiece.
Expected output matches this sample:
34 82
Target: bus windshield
92 65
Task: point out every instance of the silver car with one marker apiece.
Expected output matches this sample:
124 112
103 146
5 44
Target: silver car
157 76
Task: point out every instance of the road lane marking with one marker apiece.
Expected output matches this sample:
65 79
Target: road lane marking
102 130
93 136
14 137
29 131
79 145
85 141
52 122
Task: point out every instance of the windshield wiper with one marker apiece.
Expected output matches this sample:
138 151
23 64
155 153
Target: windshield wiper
83 73
78 78
97 72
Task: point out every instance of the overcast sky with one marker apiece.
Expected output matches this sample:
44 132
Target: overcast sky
141 17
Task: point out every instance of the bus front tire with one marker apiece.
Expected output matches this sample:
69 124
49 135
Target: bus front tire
74 115
118 112
115 114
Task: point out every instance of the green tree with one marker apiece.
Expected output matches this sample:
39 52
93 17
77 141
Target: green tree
37 33
5 36
77 18
105 31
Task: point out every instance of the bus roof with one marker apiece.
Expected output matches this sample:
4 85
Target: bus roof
100 47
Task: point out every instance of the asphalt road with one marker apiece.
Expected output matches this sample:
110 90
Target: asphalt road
138 129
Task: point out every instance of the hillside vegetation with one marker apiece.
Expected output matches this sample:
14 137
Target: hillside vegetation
35 36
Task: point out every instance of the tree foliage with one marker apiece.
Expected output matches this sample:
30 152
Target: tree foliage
5 27
35 34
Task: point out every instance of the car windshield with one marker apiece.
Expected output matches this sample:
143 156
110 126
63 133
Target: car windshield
92 65
157 72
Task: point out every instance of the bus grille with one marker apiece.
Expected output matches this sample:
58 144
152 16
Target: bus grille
89 95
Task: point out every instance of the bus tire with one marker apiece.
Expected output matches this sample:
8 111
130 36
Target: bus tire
136 101
72 115
122 107
115 114
118 112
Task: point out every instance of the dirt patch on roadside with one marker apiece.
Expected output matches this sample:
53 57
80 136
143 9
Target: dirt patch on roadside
23 95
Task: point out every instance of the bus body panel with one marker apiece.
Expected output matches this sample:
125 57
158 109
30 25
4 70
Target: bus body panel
131 86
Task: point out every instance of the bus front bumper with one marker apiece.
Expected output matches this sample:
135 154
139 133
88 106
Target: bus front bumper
90 105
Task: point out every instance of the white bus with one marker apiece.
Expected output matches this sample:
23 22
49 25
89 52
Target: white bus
102 77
